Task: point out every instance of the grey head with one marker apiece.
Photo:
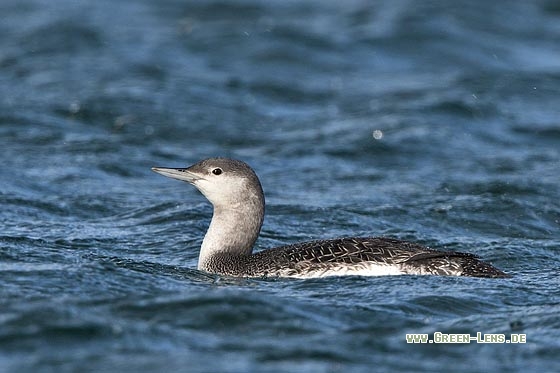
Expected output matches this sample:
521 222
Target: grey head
224 182
235 191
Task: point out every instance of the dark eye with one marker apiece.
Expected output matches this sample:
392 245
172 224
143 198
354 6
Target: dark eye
217 171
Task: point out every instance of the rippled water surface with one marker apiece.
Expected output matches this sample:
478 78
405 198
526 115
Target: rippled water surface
434 122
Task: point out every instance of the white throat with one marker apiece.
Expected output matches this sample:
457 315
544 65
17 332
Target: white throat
233 229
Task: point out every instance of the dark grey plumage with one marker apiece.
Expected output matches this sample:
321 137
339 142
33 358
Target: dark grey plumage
324 256
236 194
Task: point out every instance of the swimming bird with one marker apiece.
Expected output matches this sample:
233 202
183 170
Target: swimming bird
236 194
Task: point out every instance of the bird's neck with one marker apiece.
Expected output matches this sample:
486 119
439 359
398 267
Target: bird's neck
233 230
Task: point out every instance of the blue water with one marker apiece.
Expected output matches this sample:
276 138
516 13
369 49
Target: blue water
435 122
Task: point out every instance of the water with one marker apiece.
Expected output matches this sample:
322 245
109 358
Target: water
435 122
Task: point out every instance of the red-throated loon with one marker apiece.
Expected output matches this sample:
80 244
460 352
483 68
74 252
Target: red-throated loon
235 191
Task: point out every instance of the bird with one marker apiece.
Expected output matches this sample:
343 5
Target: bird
235 192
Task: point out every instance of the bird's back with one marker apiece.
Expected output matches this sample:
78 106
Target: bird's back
368 256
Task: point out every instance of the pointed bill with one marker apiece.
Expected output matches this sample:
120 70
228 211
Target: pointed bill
177 173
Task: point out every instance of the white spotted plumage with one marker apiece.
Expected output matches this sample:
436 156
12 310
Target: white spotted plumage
235 191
